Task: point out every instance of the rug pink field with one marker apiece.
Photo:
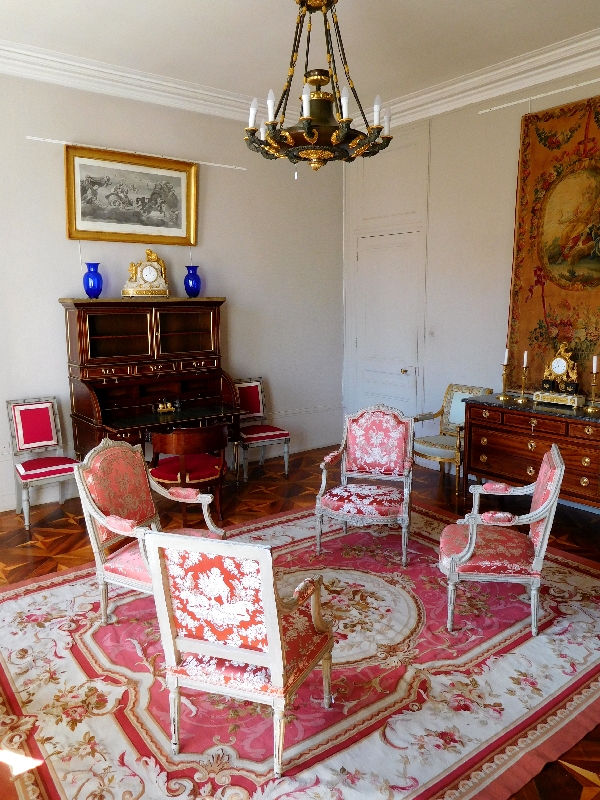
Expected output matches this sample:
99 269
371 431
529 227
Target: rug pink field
418 712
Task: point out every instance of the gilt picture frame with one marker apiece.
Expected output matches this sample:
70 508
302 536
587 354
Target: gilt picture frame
125 197
555 292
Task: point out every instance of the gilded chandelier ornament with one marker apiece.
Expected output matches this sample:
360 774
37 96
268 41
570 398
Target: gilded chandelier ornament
323 132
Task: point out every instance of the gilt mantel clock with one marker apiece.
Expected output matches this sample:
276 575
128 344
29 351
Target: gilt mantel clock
147 278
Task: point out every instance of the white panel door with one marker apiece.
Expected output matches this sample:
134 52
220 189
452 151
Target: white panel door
389 317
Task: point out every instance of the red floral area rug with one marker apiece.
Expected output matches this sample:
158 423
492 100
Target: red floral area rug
418 712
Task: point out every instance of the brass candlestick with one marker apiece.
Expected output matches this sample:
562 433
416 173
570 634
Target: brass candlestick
592 408
522 399
503 396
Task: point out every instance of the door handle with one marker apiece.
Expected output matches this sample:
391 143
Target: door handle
403 372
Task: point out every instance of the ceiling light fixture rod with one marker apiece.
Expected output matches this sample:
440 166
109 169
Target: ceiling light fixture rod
346 67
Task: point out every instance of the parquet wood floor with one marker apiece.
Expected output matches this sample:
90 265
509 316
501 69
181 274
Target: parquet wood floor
58 541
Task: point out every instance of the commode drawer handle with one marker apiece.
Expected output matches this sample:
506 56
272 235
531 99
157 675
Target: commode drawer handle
484 440
589 430
531 471
586 461
483 458
485 414
584 481
531 445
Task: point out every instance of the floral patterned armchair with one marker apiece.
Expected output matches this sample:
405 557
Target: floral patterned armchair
446 447
225 629
486 547
115 491
377 445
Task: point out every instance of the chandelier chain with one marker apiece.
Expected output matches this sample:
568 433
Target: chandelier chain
346 67
332 67
283 100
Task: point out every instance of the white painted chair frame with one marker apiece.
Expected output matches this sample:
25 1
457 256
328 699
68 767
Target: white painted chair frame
258 418
274 607
22 487
545 512
402 519
93 517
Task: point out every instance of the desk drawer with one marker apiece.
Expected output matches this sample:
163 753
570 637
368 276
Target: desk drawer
485 442
93 373
485 415
538 424
160 368
585 430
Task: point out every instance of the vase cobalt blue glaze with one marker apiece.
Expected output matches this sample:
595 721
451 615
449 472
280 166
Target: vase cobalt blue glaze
92 280
191 282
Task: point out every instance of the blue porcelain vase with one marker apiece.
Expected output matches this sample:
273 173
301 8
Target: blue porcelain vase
92 280
192 282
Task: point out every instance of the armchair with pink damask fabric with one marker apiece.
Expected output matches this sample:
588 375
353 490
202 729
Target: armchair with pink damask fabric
377 446
225 629
115 491
487 547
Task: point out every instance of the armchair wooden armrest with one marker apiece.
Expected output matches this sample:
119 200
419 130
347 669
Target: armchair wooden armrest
310 587
429 415
198 498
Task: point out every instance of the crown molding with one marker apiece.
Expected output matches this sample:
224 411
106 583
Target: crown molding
549 63
560 60
95 76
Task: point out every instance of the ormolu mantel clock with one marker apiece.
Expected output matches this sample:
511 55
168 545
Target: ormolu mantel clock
147 278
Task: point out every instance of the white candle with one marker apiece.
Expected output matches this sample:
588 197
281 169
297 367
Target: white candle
376 110
595 364
253 110
263 130
306 100
271 105
525 358
387 117
345 99
505 362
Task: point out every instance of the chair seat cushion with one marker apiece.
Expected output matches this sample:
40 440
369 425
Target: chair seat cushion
364 499
199 468
50 467
441 446
128 563
498 551
261 433
302 646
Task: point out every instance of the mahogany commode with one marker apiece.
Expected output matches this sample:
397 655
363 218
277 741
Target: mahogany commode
126 355
507 441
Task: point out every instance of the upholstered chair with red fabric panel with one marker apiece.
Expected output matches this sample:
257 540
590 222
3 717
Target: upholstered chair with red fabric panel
377 446
195 459
38 455
225 629
116 495
488 546
254 432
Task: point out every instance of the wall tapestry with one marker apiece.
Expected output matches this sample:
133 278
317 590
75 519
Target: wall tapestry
555 294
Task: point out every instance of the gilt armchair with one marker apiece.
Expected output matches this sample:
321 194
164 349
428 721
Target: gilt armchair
488 547
446 447
225 629
377 446
116 496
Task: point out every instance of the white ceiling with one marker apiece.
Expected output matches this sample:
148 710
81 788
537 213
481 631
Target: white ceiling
394 47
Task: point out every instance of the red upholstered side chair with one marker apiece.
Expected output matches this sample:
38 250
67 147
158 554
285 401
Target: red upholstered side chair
196 458
35 431
377 446
487 547
254 432
116 496
225 629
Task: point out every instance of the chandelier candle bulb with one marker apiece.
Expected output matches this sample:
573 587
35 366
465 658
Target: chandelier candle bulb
253 110
345 99
263 130
386 122
271 105
306 100
377 110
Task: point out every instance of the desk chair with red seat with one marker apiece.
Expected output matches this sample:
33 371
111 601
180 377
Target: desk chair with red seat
254 432
35 430
195 459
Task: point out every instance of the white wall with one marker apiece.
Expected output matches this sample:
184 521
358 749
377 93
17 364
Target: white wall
270 244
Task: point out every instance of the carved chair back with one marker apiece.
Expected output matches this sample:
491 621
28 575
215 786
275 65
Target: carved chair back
377 442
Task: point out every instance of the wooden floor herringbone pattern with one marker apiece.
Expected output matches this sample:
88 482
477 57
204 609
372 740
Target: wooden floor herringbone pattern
58 541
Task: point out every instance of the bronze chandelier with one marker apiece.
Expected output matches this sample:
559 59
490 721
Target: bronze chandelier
323 132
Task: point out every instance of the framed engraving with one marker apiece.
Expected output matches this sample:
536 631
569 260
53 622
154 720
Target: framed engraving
124 197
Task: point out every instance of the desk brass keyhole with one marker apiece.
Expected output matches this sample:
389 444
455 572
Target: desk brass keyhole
485 414
589 430
586 461
483 440
531 445
531 471
533 423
